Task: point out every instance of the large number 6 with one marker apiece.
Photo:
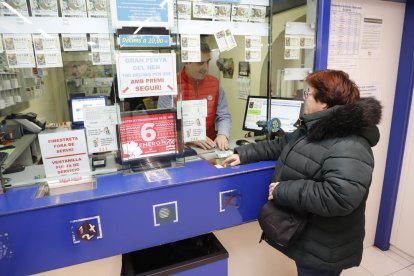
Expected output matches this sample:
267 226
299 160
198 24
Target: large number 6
147 132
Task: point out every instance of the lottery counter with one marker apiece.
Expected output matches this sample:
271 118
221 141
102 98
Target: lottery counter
126 212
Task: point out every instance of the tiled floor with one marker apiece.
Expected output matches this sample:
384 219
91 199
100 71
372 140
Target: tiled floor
380 263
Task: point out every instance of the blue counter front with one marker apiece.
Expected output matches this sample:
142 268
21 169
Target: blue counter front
124 213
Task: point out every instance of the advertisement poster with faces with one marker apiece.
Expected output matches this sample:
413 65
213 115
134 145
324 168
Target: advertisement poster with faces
74 42
19 50
44 7
194 114
47 51
225 40
253 46
147 135
73 8
101 49
18 5
222 12
190 48
146 74
97 8
100 124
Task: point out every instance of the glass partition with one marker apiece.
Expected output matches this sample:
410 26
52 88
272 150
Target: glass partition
56 56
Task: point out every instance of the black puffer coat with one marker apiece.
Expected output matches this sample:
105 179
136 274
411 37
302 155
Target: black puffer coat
325 169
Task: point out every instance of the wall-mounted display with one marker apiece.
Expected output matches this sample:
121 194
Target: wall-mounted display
203 10
222 12
73 8
97 8
190 48
47 50
183 9
16 5
74 42
44 8
258 14
19 50
240 13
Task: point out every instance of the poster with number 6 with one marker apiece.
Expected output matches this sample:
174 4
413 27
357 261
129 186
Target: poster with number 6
145 135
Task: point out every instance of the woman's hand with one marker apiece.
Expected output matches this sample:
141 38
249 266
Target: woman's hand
272 186
231 161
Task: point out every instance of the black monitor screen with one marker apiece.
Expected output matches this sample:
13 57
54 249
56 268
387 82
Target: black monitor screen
286 110
77 104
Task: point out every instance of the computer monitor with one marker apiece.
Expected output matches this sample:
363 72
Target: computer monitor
286 110
77 104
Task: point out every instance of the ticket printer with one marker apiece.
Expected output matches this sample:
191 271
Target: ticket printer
28 122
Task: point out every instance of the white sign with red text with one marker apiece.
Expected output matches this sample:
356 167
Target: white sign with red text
146 74
64 152
147 135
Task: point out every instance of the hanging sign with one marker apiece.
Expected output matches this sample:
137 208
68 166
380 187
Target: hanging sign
144 41
142 13
146 74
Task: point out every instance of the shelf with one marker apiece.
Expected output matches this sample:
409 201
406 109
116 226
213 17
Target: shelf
212 27
54 25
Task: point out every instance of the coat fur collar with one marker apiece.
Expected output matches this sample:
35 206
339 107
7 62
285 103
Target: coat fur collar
358 118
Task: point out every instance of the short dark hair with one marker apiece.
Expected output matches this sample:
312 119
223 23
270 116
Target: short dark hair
204 47
333 87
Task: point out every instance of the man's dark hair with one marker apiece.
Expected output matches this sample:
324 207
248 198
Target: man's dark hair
204 47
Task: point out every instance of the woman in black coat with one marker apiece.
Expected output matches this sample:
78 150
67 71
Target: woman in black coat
325 169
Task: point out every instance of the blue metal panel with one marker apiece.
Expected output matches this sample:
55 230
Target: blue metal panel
39 230
322 34
400 117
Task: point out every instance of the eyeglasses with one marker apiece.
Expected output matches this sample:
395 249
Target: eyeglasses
306 93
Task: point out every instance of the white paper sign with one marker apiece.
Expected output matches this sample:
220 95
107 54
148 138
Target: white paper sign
225 40
64 153
146 74
100 116
101 139
194 129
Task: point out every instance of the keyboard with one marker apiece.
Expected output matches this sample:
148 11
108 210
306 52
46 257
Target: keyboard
3 157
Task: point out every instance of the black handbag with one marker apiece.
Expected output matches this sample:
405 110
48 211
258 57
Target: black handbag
280 226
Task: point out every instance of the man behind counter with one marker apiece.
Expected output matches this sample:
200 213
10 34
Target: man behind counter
196 84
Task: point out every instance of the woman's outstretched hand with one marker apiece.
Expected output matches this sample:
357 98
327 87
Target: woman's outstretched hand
231 161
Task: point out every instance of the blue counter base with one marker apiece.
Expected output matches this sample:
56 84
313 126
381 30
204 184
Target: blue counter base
126 213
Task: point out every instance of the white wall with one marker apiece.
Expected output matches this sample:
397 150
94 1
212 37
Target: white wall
52 106
381 71
403 225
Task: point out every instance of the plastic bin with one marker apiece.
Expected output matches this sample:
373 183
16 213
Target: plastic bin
202 255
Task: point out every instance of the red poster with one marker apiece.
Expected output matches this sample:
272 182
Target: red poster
147 135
